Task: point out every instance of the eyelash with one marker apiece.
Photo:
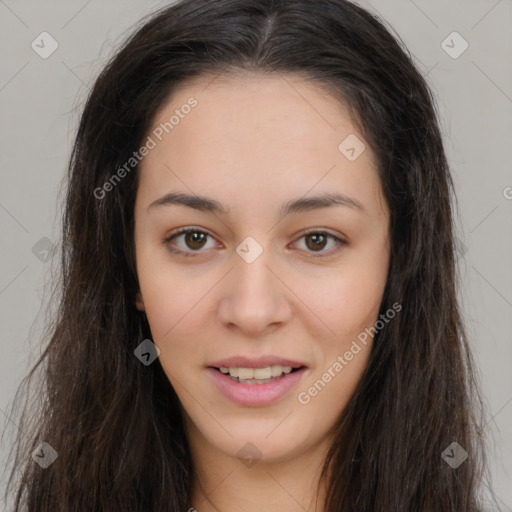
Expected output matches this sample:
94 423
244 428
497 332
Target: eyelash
187 230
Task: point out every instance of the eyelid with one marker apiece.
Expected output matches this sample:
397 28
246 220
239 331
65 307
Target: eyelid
191 229
181 231
319 231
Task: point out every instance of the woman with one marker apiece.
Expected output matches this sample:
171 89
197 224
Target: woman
258 281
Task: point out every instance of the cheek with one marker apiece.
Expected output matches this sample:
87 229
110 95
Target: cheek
169 294
350 306
346 299
358 304
331 388
174 304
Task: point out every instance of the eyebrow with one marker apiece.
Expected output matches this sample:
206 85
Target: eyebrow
303 204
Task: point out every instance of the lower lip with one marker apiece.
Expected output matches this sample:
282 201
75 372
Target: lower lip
254 395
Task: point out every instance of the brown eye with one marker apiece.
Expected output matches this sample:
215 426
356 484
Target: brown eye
316 241
194 240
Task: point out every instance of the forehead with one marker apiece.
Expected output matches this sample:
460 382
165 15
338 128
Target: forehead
261 105
266 135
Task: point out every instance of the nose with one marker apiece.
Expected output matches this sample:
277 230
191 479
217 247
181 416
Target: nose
255 297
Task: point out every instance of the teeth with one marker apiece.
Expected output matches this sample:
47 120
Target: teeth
278 369
243 373
257 373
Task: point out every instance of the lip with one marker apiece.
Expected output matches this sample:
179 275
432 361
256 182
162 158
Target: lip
256 395
254 362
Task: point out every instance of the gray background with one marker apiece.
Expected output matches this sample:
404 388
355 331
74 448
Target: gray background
40 102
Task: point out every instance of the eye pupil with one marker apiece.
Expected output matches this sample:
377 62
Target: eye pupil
194 237
316 243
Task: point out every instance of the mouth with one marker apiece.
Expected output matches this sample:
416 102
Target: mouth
256 386
257 376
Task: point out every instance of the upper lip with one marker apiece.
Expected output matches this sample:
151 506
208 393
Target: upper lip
254 362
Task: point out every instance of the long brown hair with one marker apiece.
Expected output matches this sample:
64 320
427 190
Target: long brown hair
116 424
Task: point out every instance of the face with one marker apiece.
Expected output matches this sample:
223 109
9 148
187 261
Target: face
283 266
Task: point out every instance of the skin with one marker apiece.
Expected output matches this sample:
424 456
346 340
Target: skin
254 142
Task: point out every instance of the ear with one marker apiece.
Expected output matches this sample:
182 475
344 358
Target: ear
139 303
